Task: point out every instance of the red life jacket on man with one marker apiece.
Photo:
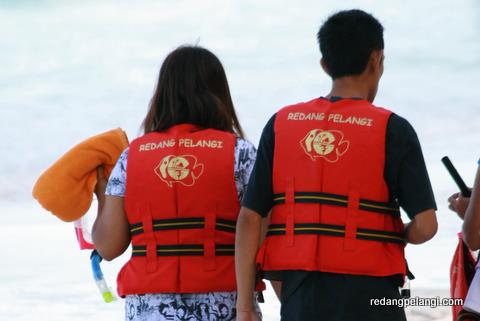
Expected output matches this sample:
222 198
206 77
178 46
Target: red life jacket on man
331 210
182 204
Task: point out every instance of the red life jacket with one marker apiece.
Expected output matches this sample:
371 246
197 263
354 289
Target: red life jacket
182 204
462 270
331 208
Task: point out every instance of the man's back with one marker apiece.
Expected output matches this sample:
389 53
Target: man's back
343 176
345 292
332 211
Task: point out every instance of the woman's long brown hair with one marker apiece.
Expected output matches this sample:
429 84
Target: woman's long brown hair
192 88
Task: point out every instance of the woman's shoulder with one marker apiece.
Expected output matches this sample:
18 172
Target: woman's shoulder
244 144
245 153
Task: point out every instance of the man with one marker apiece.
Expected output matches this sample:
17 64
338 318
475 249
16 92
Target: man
333 172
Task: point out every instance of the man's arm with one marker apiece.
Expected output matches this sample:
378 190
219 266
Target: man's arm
408 182
422 228
247 241
257 203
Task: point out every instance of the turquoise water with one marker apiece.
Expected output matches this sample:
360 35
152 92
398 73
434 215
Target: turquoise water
70 70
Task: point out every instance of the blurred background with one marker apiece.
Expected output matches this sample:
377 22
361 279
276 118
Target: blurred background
70 70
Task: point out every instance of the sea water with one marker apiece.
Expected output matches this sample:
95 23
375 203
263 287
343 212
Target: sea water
70 70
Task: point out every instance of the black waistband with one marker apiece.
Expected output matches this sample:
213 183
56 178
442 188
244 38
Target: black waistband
339 200
337 230
183 223
184 250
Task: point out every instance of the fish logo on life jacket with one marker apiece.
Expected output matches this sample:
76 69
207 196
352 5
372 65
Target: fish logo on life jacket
328 144
183 169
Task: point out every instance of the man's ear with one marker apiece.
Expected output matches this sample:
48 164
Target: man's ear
376 60
324 66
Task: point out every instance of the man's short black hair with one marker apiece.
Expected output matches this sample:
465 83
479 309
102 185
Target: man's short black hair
346 41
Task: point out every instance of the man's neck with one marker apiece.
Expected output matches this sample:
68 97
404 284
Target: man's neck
350 87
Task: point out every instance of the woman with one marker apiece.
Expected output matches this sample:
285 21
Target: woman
174 194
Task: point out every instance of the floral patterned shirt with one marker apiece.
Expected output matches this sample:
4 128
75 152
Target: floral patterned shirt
212 306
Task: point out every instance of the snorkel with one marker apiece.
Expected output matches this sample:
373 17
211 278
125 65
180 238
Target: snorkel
85 242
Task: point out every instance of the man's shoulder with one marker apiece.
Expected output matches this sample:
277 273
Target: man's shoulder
399 125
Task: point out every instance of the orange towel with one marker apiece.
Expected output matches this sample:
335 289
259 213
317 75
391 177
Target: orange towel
66 188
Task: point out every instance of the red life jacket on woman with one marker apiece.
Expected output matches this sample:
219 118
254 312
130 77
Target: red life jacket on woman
182 204
331 210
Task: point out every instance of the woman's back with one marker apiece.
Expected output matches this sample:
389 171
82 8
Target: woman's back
184 305
176 195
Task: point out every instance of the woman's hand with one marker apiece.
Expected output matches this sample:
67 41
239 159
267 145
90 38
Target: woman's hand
458 204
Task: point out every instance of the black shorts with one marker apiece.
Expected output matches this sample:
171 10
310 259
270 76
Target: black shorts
318 296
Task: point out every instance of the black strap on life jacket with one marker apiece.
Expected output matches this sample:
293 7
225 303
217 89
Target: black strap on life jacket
209 249
183 223
339 200
184 250
337 230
